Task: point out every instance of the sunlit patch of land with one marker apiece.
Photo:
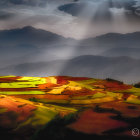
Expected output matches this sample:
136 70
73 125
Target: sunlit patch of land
87 106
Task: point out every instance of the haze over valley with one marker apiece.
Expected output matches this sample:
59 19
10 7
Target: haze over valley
89 38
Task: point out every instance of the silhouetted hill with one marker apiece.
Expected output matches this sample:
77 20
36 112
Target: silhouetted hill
119 38
111 41
123 51
27 43
28 35
25 49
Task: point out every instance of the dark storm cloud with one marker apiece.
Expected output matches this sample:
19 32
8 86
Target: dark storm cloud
25 2
104 8
6 15
40 3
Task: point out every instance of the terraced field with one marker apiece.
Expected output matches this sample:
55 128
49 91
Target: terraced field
62 107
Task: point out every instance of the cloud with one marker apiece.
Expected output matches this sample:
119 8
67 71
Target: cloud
25 2
137 3
130 6
104 11
36 3
137 7
6 15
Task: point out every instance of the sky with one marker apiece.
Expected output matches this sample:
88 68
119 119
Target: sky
72 18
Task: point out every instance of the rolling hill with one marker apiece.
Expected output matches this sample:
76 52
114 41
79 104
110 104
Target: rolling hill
61 107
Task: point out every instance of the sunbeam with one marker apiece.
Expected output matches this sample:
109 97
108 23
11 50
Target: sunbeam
100 16
72 29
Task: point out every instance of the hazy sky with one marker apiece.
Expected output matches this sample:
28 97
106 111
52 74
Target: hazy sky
76 19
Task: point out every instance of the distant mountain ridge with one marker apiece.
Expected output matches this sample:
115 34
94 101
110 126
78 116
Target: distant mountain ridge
19 44
30 51
118 36
121 68
102 45
29 34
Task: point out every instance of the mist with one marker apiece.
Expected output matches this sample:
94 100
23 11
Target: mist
51 37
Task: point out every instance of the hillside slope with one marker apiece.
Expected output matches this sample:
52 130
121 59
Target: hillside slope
72 107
